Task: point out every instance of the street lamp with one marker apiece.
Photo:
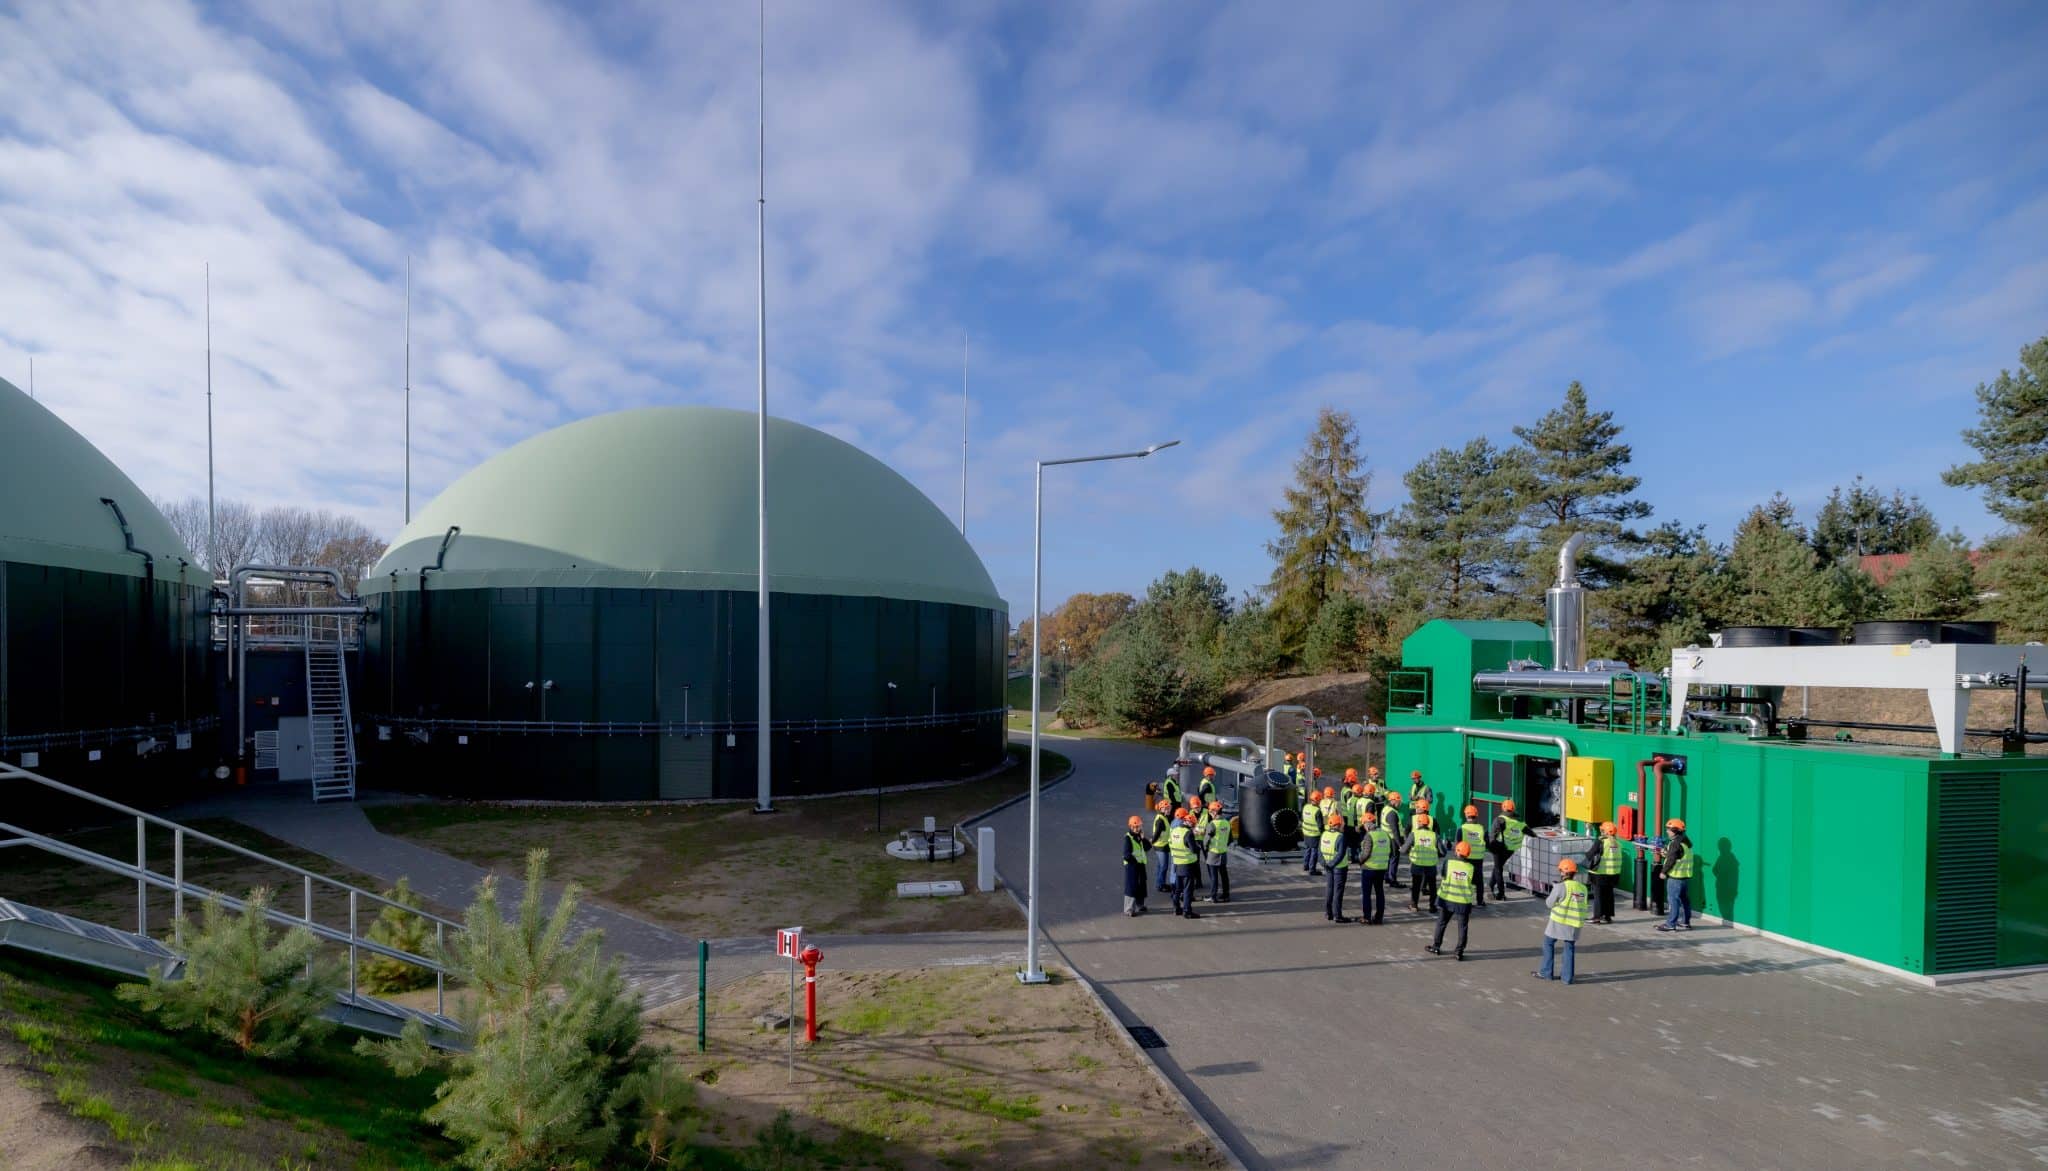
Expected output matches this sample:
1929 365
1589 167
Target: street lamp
1033 973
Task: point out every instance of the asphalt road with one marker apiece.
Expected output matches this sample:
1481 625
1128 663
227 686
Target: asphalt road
1311 1044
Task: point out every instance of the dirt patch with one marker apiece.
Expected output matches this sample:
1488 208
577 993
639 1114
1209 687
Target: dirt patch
1351 696
719 871
935 1068
1870 705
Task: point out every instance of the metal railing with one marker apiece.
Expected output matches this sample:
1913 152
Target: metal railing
175 882
291 631
106 737
685 728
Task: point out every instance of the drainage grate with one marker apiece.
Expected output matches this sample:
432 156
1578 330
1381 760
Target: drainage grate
1147 1037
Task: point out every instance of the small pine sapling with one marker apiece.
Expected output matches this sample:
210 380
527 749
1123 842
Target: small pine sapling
244 983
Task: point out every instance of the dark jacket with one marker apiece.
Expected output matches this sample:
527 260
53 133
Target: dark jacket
1134 871
1675 847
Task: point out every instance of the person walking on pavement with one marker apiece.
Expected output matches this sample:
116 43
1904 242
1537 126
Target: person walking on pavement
1567 904
1604 859
1375 851
1461 887
1473 834
1390 820
1422 858
1338 862
1502 842
1162 824
1134 867
1217 859
1181 842
1680 861
1311 836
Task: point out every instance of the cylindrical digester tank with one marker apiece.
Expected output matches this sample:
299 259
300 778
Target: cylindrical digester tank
1267 819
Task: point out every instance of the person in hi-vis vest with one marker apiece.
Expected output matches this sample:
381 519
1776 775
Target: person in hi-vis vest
1459 890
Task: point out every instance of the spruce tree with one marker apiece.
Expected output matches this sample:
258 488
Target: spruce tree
400 931
1454 538
2011 439
1863 521
1938 583
1577 483
1326 531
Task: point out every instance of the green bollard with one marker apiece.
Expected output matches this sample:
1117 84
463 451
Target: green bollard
703 959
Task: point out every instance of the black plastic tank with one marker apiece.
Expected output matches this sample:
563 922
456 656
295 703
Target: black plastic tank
1756 636
1896 633
1267 819
1976 633
1816 636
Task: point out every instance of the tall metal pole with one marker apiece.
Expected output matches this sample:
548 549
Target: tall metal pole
763 803
1032 973
212 566
963 433
408 388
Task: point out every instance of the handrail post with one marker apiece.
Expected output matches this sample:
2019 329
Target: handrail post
440 970
352 944
178 887
141 883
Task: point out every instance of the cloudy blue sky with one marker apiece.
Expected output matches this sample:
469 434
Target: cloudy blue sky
1782 242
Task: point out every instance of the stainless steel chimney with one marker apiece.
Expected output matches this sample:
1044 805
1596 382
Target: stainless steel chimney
1564 609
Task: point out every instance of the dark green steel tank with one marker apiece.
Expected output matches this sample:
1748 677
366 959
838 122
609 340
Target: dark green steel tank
574 619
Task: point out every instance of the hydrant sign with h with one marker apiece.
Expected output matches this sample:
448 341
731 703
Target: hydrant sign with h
788 942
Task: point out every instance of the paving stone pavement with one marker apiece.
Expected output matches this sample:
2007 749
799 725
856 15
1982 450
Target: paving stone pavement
659 963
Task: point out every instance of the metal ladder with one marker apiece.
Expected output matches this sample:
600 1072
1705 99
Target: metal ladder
328 724
137 952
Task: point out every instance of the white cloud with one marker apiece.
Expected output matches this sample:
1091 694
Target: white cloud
1744 315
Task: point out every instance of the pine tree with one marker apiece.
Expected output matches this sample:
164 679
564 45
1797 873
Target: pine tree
1454 538
244 983
1863 521
1326 531
1776 579
1938 583
2012 440
404 932
2016 576
1577 483
550 1077
1674 595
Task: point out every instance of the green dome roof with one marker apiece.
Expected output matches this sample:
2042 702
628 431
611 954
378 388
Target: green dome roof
51 484
663 497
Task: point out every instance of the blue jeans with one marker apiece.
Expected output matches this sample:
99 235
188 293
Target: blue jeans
1550 947
1678 896
1311 856
1165 868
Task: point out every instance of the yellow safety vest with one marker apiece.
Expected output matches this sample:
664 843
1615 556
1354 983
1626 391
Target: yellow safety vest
1474 835
1422 849
1312 821
1181 844
1684 866
1334 853
1610 857
1511 833
1160 825
1382 848
1208 789
1219 835
1571 909
1457 886
1135 845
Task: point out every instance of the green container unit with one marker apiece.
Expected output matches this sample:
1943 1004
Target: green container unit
1905 857
602 575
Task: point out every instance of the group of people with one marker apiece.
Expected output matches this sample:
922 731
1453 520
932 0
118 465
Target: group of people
1364 826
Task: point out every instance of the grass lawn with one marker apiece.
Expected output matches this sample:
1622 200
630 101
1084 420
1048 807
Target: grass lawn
160 1102
928 1069
720 870
1017 693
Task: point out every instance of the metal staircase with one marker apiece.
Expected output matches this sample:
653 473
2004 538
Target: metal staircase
328 724
138 952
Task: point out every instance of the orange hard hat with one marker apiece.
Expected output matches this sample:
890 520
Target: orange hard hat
1208 772
1607 827
1287 756
1393 798
1350 774
1508 806
1471 811
1194 801
1372 770
1319 772
1675 823
1567 866
1415 774
1135 823
1422 819
1368 817
1336 821
1464 849
1164 805
1215 806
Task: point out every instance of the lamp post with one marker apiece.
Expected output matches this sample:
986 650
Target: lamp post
1033 973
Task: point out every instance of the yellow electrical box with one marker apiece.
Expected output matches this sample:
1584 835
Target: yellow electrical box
1588 788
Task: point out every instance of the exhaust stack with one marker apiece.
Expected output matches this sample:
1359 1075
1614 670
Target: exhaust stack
1564 609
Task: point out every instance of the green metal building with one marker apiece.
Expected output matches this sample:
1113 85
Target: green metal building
106 654
575 619
1922 861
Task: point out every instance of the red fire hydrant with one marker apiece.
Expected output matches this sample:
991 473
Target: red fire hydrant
810 958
